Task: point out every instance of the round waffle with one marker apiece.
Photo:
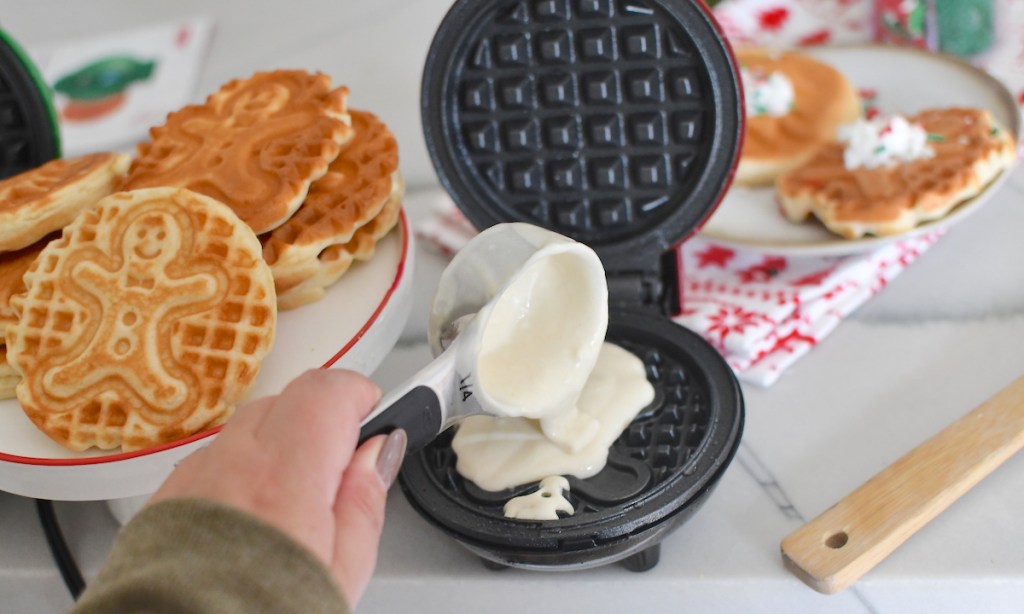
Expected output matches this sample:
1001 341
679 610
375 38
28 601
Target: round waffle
970 151
9 377
13 266
356 187
336 259
44 199
255 145
823 99
144 323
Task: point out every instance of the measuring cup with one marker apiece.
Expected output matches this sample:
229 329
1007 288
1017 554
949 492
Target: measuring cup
516 324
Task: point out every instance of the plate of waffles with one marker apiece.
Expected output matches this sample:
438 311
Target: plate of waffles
136 324
969 126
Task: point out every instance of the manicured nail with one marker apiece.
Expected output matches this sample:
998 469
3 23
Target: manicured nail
392 453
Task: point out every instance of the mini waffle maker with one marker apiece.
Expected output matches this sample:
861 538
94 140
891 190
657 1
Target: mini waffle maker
28 123
617 123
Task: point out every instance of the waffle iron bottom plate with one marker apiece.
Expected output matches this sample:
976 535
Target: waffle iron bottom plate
659 471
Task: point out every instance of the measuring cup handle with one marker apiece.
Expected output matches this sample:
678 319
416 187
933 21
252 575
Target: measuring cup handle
417 405
418 411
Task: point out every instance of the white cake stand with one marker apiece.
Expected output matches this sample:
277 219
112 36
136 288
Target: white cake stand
354 326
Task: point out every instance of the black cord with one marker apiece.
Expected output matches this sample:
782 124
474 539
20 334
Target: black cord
59 548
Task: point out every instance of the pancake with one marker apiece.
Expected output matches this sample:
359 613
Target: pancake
968 151
39 201
256 145
355 189
144 323
822 100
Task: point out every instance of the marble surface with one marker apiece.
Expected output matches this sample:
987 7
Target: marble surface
944 336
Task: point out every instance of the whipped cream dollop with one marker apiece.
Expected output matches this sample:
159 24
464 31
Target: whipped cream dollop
883 141
766 93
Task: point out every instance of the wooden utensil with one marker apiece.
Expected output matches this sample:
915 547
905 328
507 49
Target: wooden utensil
846 541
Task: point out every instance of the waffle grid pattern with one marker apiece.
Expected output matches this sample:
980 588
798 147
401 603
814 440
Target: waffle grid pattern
216 343
582 115
335 260
354 190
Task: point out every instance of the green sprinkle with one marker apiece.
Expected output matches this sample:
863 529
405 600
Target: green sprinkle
879 149
994 131
936 138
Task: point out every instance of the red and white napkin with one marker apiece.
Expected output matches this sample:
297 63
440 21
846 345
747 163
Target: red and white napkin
761 311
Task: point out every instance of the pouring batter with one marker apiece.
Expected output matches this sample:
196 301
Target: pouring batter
540 344
499 453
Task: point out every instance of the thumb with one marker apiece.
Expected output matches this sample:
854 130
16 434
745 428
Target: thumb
359 511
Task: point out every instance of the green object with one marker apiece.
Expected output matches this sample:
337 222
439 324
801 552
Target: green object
105 77
42 89
966 27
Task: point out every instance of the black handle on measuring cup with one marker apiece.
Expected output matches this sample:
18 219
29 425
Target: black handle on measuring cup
417 411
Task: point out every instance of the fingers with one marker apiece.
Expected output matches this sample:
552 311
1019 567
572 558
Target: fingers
249 416
359 511
314 422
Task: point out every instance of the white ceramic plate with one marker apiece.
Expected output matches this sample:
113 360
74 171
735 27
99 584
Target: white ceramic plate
354 326
907 80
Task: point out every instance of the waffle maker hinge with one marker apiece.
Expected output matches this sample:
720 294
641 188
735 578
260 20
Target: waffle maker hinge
654 289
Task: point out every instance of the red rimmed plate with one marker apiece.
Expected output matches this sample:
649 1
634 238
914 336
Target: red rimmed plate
354 326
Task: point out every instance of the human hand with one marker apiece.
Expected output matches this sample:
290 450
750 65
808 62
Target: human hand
291 460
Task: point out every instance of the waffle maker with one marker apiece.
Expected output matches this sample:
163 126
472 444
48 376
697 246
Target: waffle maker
617 123
29 135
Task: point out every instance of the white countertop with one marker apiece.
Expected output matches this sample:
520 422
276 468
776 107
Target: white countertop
944 336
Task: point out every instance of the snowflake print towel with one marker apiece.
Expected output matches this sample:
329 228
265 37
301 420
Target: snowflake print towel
764 311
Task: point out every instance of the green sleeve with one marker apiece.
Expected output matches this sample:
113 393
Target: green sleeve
197 556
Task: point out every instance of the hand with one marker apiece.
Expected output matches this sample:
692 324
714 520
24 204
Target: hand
291 460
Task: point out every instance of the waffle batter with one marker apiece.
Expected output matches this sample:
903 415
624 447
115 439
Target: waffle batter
542 340
499 453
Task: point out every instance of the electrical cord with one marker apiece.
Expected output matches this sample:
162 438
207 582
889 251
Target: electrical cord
59 548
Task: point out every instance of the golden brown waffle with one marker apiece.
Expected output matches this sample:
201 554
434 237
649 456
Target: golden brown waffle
255 145
970 151
44 199
354 190
334 261
144 323
13 266
9 378
823 99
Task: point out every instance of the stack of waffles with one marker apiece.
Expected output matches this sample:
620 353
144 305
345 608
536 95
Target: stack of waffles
319 197
138 297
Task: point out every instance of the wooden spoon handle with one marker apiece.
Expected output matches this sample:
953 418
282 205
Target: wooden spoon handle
835 549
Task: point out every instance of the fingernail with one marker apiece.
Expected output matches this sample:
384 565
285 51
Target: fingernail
389 461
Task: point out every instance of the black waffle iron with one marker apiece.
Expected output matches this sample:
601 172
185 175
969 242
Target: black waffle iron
28 123
617 123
